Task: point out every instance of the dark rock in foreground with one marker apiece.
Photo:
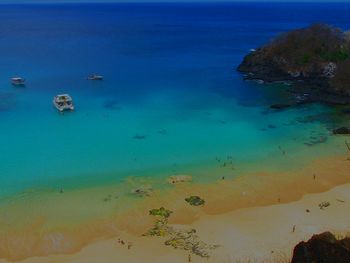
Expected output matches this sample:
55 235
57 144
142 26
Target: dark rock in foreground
323 248
314 60
342 130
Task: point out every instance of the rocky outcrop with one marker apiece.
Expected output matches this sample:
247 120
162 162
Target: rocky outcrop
280 106
323 248
342 130
315 60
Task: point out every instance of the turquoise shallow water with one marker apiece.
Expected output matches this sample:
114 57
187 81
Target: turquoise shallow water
171 102
95 144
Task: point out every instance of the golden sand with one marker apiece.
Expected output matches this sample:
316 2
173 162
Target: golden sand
82 225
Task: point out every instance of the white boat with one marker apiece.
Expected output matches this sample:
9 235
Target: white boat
63 102
18 81
95 77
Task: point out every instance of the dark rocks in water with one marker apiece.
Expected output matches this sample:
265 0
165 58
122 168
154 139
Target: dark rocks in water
140 137
325 118
195 200
322 248
316 140
270 126
280 106
314 60
342 130
163 132
303 98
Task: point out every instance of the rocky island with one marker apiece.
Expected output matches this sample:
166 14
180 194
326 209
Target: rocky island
314 61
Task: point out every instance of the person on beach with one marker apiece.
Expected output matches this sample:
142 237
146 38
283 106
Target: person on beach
189 258
129 245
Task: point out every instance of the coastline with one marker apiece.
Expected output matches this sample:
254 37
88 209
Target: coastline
54 227
259 234
79 187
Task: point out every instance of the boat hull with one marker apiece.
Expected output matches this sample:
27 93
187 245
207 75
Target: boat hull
64 107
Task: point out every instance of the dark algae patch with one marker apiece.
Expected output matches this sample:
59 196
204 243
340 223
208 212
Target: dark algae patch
195 200
184 239
162 212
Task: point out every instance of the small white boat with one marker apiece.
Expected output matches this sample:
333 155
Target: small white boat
18 81
95 77
63 102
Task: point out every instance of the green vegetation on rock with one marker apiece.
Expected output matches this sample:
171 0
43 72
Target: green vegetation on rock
317 56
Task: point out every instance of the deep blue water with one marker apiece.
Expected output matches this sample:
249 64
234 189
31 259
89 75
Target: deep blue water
170 79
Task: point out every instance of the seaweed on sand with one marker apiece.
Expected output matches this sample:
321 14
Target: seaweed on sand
323 205
144 190
162 212
160 227
186 240
195 200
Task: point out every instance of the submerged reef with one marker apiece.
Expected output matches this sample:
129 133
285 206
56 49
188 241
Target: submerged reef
314 61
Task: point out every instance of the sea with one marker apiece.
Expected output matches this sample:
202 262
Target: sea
171 102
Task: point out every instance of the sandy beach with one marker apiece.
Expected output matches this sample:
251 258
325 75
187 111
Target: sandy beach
259 234
258 217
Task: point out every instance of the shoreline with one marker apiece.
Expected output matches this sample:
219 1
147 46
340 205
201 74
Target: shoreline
67 223
259 234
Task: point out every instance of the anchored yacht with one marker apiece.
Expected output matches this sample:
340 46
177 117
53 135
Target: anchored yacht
18 81
95 77
63 102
